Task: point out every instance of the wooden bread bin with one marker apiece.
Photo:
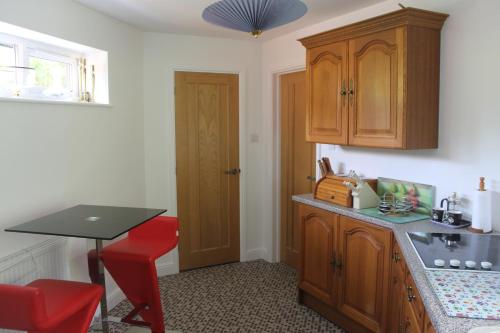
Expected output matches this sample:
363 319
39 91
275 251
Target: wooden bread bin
331 188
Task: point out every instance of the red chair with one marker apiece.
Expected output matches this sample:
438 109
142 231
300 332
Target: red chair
49 306
131 263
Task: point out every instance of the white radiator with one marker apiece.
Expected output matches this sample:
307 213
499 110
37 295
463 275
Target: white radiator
43 260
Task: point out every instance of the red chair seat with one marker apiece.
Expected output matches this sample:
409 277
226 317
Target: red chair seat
139 249
49 306
62 295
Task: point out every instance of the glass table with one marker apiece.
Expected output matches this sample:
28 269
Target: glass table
91 222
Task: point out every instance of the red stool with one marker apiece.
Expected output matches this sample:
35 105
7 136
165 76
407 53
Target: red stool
49 306
131 263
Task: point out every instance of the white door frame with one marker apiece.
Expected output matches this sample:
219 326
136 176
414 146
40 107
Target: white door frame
242 147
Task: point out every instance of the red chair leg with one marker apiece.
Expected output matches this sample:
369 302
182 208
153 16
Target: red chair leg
138 280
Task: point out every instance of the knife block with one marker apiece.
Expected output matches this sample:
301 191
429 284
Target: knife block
331 188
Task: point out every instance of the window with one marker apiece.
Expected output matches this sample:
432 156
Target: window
51 75
42 67
37 71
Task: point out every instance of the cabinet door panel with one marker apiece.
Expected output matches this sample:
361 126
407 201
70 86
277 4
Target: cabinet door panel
376 82
327 101
318 234
364 283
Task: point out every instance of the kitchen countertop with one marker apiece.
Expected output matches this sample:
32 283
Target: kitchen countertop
442 323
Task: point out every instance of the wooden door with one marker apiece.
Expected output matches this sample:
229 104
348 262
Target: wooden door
297 162
326 120
364 253
376 88
318 242
207 150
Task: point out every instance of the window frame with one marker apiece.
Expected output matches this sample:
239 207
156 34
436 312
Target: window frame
25 48
16 54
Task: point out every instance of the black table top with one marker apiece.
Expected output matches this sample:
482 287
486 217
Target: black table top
86 221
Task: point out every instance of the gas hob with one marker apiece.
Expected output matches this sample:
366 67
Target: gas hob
468 252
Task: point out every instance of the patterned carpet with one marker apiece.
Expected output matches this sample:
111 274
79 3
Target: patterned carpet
249 297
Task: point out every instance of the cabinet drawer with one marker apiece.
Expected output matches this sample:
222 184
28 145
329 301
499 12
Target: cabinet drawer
428 327
335 197
398 259
413 297
411 323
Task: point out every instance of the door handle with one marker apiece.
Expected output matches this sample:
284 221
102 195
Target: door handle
311 178
343 92
233 171
411 296
333 263
351 90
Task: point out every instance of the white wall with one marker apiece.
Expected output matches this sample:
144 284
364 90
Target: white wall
469 100
163 55
55 156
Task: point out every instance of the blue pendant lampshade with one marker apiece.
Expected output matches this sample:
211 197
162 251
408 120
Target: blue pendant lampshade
254 16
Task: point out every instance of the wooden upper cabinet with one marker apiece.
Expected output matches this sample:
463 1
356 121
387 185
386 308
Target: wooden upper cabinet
364 254
318 242
392 82
326 120
376 89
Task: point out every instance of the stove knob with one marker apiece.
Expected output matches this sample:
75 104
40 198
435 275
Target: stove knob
470 264
439 262
486 265
455 263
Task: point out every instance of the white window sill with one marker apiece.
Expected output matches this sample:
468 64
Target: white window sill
53 102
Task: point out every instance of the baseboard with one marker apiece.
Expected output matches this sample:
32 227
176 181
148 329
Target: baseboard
167 268
255 254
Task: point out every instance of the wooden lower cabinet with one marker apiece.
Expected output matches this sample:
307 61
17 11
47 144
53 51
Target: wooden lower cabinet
364 254
407 314
428 327
344 269
398 274
354 274
318 233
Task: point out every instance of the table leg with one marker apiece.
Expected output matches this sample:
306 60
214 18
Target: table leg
102 282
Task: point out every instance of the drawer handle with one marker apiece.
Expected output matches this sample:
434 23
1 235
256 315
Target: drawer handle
411 296
332 197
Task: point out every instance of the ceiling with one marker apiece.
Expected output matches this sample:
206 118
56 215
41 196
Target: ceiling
184 16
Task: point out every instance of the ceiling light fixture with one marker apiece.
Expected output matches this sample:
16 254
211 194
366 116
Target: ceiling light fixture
254 16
